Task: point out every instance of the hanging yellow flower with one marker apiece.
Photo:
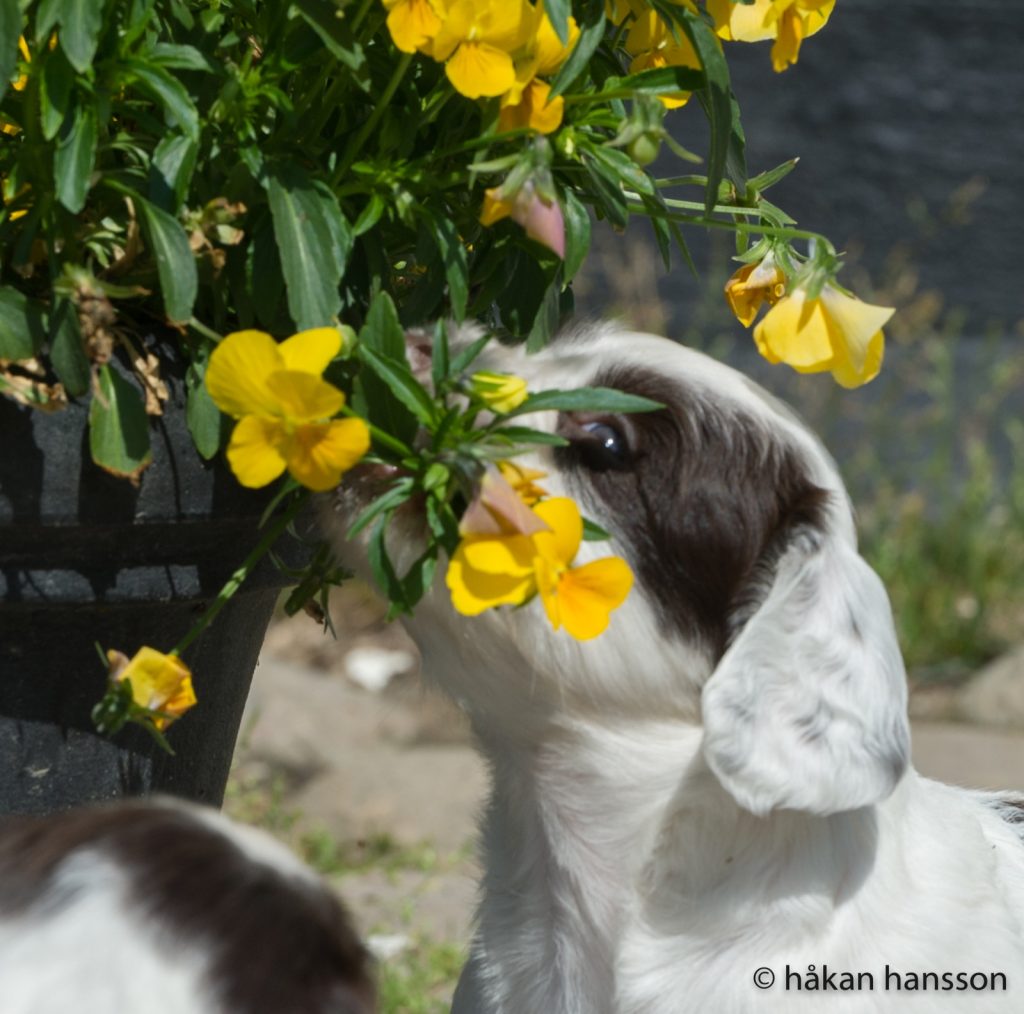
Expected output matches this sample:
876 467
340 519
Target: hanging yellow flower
835 332
788 22
284 408
159 683
523 481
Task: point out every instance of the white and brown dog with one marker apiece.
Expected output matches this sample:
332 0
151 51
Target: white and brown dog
715 792
167 908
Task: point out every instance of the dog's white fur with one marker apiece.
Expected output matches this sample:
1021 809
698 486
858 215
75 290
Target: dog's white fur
657 830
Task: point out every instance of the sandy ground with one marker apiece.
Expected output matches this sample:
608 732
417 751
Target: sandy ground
384 786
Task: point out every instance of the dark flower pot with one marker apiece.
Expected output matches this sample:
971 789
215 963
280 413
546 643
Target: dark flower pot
87 558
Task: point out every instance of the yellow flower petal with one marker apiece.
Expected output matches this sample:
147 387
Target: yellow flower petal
473 591
478 69
848 375
743 22
533 110
751 286
412 23
238 372
254 452
562 543
318 453
303 397
521 479
501 392
786 50
311 351
494 208
588 594
502 554
795 332
853 322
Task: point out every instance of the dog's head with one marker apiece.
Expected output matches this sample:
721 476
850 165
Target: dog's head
752 611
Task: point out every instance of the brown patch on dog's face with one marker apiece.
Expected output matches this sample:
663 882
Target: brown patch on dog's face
701 495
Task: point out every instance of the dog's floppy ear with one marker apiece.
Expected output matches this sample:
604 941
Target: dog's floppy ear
807 708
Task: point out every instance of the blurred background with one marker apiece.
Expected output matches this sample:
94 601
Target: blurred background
906 120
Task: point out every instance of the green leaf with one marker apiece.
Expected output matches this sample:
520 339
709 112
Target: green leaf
10 29
22 325
623 169
383 570
314 242
402 383
55 92
80 24
180 57
593 532
383 331
67 350
335 33
175 262
608 193
74 158
174 161
440 355
577 234
591 34
370 215
558 12
658 81
205 422
716 93
169 92
545 324
466 357
392 498
525 435
453 257
762 181
118 427
587 399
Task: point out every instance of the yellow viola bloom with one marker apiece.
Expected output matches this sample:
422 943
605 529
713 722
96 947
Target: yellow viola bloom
500 392
159 683
476 41
413 24
788 22
580 599
284 408
752 286
506 561
652 45
523 481
834 332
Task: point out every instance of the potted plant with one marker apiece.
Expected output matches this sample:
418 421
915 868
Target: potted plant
232 211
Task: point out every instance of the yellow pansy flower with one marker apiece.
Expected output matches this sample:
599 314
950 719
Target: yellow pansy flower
500 392
652 45
510 552
159 683
532 109
835 332
788 22
752 286
413 24
284 408
476 41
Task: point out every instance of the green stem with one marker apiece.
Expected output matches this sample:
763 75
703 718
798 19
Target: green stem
360 14
206 332
356 144
235 581
776 231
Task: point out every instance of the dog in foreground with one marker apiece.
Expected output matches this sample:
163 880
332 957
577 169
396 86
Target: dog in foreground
709 809
143 908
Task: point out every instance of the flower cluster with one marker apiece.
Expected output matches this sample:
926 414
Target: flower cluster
516 546
490 48
812 325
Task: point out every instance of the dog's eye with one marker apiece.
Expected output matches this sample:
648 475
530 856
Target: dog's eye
604 447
